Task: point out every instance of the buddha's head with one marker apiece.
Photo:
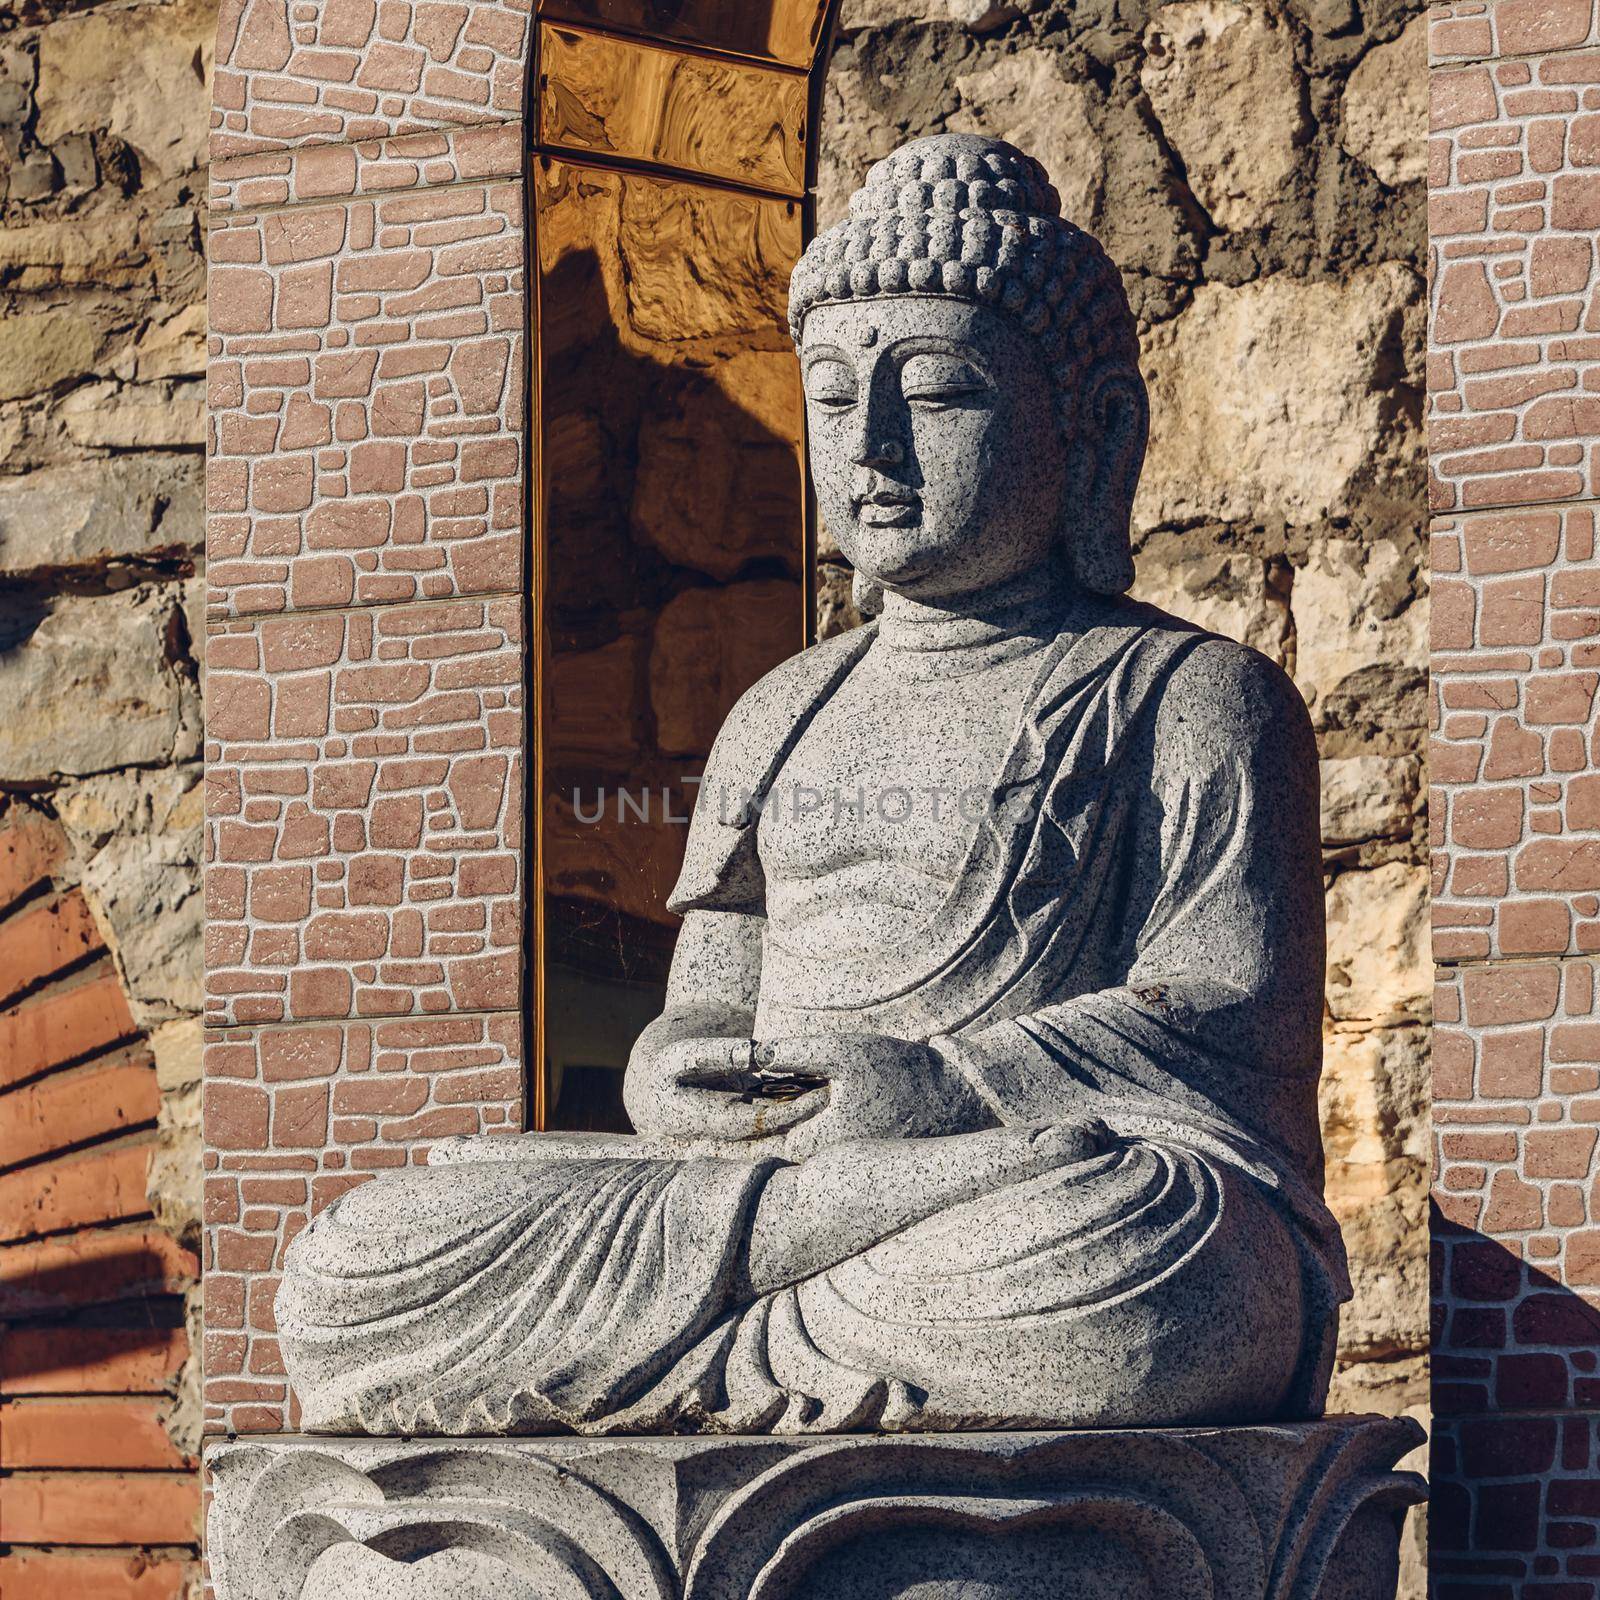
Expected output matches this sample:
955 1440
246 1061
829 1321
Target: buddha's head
973 396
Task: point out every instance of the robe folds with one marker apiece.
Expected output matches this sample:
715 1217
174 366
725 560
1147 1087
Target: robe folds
1135 943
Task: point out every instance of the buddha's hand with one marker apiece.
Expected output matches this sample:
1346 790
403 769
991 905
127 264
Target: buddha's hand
878 1087
714 1088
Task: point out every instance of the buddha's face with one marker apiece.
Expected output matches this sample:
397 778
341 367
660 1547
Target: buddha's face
938 461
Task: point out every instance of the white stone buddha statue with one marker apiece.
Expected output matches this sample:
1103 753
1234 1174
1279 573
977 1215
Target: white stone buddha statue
985 1092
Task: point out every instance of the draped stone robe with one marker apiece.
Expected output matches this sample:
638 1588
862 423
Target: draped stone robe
1135 942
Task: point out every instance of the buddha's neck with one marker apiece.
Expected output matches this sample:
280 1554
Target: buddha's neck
969 632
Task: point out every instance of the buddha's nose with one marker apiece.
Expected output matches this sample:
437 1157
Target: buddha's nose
876 447
877 442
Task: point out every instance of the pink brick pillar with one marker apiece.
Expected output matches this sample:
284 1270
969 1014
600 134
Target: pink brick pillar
1514 375
365 624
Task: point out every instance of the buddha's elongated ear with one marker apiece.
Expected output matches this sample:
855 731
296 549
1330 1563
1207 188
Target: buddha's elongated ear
1114 419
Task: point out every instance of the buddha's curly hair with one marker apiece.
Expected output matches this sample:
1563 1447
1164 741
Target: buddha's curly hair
974 218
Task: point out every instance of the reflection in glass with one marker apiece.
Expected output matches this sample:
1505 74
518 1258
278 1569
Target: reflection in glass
673 519
787 31
725 119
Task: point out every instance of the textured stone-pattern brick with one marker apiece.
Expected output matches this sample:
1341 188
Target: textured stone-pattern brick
1516 1119
365 651
295 1116
1516 1339
1516 664
364 812
366 389
1514 433
1514 185
375 166
1466 30
1516 1508
319 71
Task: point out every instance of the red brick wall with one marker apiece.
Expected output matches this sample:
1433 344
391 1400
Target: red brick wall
1514 173
96 1497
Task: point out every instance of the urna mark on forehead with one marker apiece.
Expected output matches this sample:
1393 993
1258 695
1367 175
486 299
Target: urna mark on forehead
872 327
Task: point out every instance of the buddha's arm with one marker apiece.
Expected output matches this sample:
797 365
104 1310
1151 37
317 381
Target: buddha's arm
715 980
709 1016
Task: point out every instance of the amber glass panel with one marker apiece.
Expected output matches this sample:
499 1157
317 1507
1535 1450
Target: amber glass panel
672 541
787 31
725 119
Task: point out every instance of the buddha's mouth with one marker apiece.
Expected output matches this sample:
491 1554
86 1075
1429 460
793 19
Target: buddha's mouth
887 509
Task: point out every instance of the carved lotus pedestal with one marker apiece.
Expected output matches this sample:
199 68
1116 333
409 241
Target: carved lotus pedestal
1306 1511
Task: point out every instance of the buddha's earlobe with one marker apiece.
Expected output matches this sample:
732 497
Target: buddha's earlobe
1116 423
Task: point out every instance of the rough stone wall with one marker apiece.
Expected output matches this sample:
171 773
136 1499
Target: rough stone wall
1256 168
102 277
1514 173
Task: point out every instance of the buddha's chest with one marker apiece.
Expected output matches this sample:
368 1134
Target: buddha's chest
875 808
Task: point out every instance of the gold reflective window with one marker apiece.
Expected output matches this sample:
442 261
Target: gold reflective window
667 203
723 119
786 31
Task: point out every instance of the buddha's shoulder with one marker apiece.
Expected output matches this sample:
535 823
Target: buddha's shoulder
1221 692
764 716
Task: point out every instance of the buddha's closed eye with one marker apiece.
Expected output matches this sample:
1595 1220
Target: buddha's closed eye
932 381
928 381
831 384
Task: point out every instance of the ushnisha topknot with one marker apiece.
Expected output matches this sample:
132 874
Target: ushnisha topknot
961 215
